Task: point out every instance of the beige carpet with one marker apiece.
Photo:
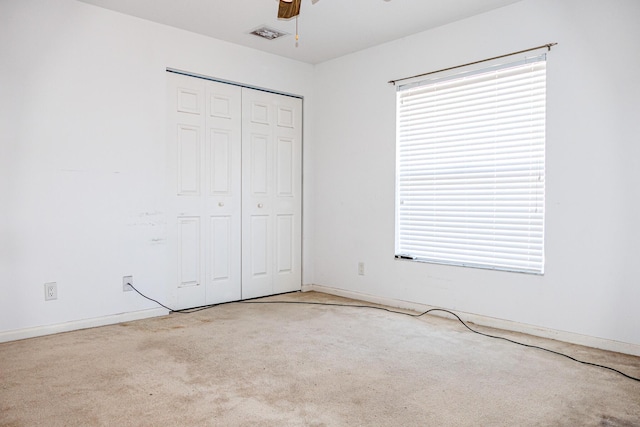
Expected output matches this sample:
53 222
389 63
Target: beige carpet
306 365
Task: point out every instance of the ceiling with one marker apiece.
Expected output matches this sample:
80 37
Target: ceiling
327 28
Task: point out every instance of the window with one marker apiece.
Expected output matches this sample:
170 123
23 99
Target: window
470 168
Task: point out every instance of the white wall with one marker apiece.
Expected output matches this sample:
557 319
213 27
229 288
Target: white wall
591 283
82 153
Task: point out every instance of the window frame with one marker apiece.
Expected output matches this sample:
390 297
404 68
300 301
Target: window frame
536 265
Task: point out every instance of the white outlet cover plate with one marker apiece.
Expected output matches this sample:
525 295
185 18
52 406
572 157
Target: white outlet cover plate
50 291
125 283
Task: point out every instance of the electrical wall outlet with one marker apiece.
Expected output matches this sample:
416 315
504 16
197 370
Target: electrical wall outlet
50 291
361 268
126 281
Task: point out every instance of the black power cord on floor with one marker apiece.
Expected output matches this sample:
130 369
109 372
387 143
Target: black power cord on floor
460 320
171 310
254 301
202 307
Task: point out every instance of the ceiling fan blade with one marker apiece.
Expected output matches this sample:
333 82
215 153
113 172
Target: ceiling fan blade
288 9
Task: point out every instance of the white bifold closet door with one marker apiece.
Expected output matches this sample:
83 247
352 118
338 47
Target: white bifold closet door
271 193
234 164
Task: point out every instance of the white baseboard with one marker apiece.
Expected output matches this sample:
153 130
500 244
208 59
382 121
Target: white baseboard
21 334
569 337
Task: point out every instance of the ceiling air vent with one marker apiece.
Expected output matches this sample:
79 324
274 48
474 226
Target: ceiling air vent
267 33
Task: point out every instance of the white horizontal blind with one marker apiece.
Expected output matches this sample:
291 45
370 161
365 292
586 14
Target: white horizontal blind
470 169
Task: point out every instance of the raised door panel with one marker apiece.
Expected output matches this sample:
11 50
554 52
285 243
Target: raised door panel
221 160
286 116
285 170
259 112
222 247
188 161
259 163
188 251
190 289
189 100
223 260
285 244
221 105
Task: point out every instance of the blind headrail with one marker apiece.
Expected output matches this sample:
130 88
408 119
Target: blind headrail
548 46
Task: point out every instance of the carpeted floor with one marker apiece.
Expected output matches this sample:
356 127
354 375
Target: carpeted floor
307 365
